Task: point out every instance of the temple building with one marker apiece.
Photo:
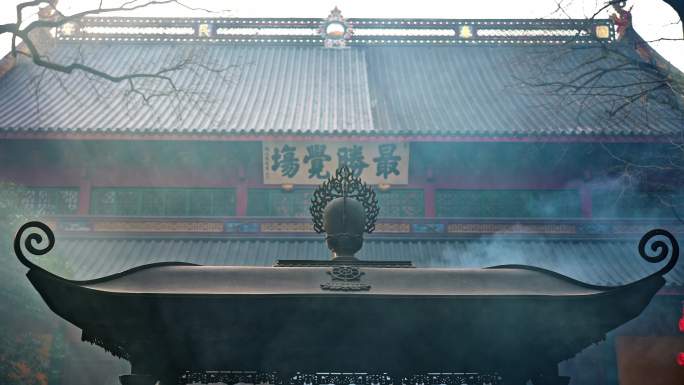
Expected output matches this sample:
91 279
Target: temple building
464 128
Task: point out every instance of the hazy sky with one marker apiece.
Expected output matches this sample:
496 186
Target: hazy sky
653 19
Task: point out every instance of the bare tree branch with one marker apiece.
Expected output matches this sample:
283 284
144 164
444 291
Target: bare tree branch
627 79
677 6
665 39
31 50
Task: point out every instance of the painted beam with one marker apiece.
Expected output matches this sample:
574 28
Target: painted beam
364 137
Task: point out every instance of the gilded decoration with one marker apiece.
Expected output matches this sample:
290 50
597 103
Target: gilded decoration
465 32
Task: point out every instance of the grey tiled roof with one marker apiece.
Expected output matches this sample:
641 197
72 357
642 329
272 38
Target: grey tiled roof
452 90
259 89
604 262
475 90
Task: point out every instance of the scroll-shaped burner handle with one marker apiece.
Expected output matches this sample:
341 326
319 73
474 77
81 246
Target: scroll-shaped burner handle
36 237
660 248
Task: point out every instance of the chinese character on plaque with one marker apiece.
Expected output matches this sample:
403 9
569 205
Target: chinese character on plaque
310 162
316 156
285 160
387 162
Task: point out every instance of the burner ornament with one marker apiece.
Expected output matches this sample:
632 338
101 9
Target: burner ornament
344 207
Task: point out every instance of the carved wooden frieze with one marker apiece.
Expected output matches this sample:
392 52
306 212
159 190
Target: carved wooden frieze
345 278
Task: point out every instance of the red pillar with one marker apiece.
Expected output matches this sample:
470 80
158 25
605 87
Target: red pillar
84 197
585 197
241 200
241 194
429 197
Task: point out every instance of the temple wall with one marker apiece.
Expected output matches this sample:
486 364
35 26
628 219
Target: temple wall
552 180
436 170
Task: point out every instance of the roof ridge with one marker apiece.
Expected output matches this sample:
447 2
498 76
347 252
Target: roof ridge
359 30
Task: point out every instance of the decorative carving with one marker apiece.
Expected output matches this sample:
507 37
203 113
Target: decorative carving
242 227
159 226
452 379
243 377
33 243
387 379
344 184
229 377
427 228
285 227
305 31
335 30
341 379
661 248
346 273
622 18
393 227
512 228
345 278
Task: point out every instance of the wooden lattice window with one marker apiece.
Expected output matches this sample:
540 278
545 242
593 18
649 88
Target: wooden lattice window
295 203
163 201
50 200
401 203
609 203
508 203
271 202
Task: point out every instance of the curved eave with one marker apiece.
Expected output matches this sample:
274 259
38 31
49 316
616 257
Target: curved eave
115 315
170 279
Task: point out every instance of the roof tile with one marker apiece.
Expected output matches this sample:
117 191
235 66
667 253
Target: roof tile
445 90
